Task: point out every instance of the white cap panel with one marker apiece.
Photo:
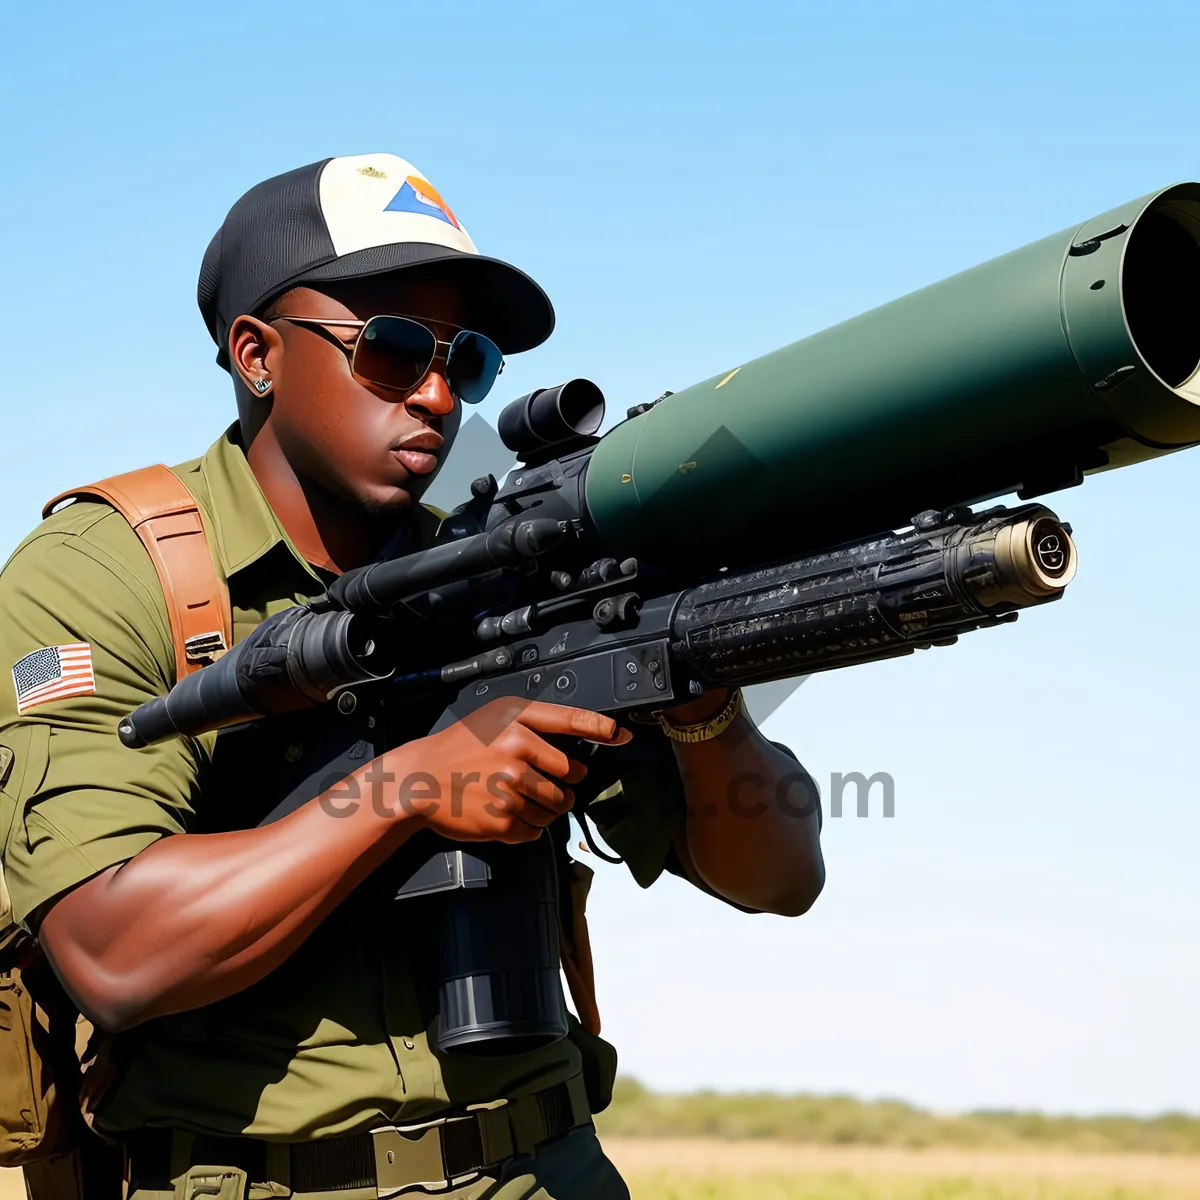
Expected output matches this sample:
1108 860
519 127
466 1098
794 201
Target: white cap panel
379 199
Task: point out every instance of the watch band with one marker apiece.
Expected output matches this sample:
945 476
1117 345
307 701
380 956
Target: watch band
705 731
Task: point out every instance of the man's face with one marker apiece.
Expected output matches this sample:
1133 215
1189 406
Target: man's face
364 443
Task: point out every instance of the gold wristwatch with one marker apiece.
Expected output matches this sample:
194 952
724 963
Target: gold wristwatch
705 731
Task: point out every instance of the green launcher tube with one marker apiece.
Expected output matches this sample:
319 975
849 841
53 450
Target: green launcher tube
1077 353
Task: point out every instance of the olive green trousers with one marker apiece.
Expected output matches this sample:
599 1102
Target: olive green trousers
572 1168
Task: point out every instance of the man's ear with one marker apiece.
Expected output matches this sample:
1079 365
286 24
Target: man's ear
255 350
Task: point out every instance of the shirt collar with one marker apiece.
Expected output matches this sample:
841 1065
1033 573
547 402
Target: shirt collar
244 526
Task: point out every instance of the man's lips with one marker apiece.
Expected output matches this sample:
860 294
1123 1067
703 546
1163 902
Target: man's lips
418 451
417 461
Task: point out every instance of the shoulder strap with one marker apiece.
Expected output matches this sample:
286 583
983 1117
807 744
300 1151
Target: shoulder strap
165 515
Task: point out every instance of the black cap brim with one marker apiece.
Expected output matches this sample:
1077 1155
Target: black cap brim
501 301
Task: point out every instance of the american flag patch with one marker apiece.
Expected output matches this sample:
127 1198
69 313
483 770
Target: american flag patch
54 673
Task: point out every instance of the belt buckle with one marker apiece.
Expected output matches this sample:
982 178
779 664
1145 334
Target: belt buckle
408 1156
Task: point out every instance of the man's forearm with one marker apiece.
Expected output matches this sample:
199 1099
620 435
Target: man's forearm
196 917
753 828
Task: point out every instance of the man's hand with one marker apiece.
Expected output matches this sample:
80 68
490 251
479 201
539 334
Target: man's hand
493 776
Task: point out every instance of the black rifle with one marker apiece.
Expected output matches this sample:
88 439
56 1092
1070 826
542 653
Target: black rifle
521 598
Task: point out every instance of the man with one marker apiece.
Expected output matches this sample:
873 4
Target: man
260 1000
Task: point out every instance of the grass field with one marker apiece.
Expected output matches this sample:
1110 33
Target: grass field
708 1169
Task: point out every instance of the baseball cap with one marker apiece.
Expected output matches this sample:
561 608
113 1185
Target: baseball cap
348 218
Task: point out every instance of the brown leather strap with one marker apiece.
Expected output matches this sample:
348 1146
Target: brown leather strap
575 946
165 515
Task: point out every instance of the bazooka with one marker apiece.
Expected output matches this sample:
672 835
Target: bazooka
810 509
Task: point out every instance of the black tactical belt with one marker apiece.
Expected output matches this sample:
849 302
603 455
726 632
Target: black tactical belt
471 1142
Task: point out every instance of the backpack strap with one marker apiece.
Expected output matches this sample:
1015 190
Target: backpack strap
165 515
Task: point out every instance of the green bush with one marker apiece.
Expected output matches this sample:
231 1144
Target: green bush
844 1120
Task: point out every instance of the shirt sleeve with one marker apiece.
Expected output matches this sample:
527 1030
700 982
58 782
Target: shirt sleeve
73 800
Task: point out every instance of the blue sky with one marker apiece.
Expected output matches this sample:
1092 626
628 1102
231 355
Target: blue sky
695 185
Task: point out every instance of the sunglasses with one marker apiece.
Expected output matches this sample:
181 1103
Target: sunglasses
397 352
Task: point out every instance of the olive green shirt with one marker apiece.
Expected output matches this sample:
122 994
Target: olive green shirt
335 1039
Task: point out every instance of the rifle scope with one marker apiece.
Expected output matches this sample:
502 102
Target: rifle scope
551 416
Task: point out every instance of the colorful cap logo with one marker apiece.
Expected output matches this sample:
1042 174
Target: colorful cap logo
418 195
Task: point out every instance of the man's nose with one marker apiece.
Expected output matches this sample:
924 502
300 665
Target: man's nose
433 396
